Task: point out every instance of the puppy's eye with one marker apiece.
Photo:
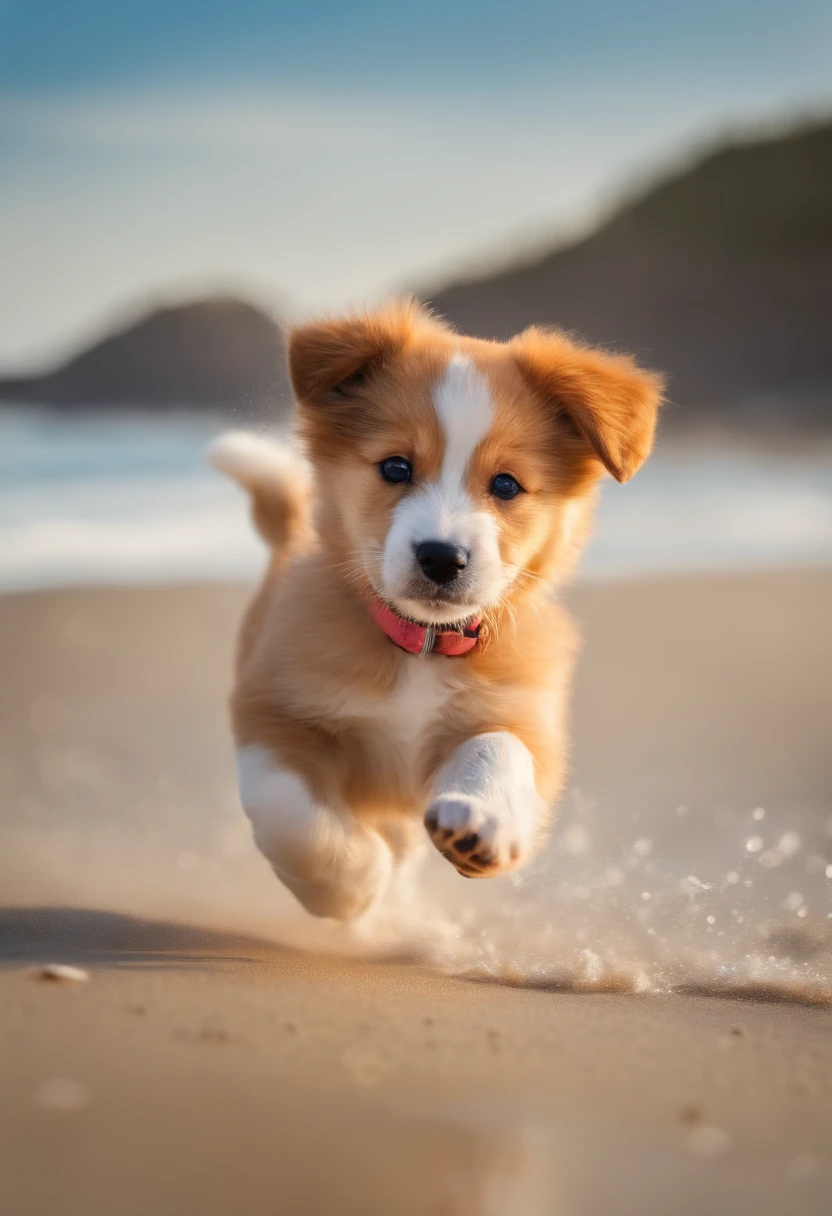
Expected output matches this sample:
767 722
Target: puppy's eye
505 486
396 469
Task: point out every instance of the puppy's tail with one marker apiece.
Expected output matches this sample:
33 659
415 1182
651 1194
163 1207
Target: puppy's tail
278 480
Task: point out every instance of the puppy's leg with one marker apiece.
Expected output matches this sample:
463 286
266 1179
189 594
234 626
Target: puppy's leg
334 865
485 813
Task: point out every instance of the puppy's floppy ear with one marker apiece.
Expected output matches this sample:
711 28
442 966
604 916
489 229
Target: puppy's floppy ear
330 357
611 401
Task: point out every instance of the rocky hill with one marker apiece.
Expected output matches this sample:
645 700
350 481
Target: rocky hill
720 275
215 353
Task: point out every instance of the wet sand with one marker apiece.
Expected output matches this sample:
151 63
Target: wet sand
215 1062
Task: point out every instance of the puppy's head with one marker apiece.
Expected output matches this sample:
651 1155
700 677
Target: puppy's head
452 472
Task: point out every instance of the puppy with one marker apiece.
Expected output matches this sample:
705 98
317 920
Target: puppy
404 659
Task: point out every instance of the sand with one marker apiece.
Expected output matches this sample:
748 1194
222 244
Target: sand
521 1047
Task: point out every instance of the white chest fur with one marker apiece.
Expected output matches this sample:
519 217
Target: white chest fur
415 704
394 725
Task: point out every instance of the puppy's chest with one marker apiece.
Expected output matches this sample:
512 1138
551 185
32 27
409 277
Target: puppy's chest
394 726
414 707
383 737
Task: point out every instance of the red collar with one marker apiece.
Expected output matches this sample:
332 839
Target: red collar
424 639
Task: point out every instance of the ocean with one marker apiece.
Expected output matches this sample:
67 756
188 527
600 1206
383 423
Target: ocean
105 498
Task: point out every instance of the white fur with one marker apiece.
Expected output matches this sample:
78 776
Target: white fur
487 788
398 721
256 460
417 700
443 509
404 719
399 718
333 864
465 408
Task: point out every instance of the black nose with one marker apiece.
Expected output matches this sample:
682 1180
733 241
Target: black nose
441 562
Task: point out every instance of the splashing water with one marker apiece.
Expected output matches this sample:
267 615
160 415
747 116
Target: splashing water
609 908
640 903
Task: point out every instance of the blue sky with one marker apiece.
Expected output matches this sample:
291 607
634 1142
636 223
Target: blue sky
78 44
315 154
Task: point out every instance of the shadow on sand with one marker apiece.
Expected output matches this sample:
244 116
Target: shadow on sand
98 938
92 937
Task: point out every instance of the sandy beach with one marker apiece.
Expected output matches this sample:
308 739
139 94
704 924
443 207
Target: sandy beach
639 1025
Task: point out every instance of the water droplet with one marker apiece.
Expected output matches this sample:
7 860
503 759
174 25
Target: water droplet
576 841
758 813
789 844
754 844
643 847
696 884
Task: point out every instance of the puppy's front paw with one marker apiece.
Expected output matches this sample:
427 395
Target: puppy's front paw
479 838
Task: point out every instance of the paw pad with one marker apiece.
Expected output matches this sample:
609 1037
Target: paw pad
477 839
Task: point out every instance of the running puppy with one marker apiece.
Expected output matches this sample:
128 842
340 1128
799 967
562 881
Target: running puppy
403 660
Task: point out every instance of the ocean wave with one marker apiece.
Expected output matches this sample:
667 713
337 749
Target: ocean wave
126 499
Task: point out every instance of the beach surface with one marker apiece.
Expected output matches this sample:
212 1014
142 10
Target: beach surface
641 1024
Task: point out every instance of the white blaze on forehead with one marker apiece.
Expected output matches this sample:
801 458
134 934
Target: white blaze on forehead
443 509
463 404
462 400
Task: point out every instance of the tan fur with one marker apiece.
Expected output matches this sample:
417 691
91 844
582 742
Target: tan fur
315 676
